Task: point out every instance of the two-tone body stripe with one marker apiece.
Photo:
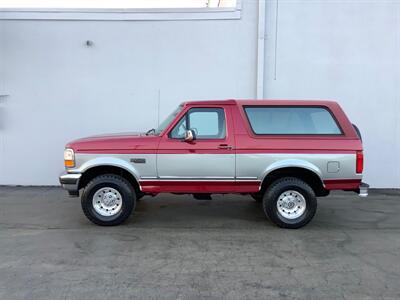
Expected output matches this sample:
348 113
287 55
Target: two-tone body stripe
242 171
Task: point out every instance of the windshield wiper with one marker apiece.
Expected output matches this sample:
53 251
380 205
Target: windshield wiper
148 132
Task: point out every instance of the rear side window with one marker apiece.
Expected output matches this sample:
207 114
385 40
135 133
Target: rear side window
291 120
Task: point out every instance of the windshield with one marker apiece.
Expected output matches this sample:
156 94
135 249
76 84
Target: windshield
168 120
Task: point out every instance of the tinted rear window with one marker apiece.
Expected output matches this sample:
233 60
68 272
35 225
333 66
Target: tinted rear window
291 120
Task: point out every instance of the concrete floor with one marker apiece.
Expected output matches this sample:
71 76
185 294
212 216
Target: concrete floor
175 247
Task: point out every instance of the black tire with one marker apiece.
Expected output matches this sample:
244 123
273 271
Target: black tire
116 182
276 189
257 196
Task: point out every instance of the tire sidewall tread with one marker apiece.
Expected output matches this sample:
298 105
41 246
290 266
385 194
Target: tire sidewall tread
276 189
122 185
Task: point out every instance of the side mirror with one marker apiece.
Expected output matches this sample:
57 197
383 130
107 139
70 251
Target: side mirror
189 135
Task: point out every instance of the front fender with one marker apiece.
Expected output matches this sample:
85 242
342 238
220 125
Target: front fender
106 161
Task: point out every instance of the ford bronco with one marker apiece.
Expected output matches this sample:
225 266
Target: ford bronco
284 154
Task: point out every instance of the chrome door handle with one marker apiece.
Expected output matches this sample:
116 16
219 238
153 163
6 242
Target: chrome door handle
225 146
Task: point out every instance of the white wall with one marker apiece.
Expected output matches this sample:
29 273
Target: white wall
347 51
61 89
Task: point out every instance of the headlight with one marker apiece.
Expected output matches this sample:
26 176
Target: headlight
69 158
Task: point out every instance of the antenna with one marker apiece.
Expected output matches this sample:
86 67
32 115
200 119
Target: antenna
158 108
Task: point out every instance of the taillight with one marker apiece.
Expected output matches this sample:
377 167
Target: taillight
359 162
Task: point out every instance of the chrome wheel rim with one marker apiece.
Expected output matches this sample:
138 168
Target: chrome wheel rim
107 202
291 204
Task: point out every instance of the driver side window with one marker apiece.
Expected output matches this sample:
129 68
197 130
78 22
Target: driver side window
207 123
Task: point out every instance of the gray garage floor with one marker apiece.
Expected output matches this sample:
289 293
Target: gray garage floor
175 247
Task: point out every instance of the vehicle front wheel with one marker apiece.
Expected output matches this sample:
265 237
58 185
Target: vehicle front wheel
108 200
290 203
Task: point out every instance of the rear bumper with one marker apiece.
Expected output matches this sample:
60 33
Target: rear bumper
70 183
363 189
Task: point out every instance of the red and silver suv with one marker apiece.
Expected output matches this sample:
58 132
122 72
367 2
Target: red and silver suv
284 154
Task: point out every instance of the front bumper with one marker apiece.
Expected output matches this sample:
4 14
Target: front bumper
70 182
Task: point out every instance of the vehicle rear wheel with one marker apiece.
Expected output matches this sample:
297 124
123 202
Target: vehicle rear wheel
290 203
108 200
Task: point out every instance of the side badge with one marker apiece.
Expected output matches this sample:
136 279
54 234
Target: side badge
138 160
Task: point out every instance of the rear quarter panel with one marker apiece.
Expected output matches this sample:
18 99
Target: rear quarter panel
332 158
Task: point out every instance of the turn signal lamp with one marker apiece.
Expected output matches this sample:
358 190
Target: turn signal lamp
69 158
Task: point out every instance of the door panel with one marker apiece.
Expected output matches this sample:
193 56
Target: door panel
205 158
197 165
